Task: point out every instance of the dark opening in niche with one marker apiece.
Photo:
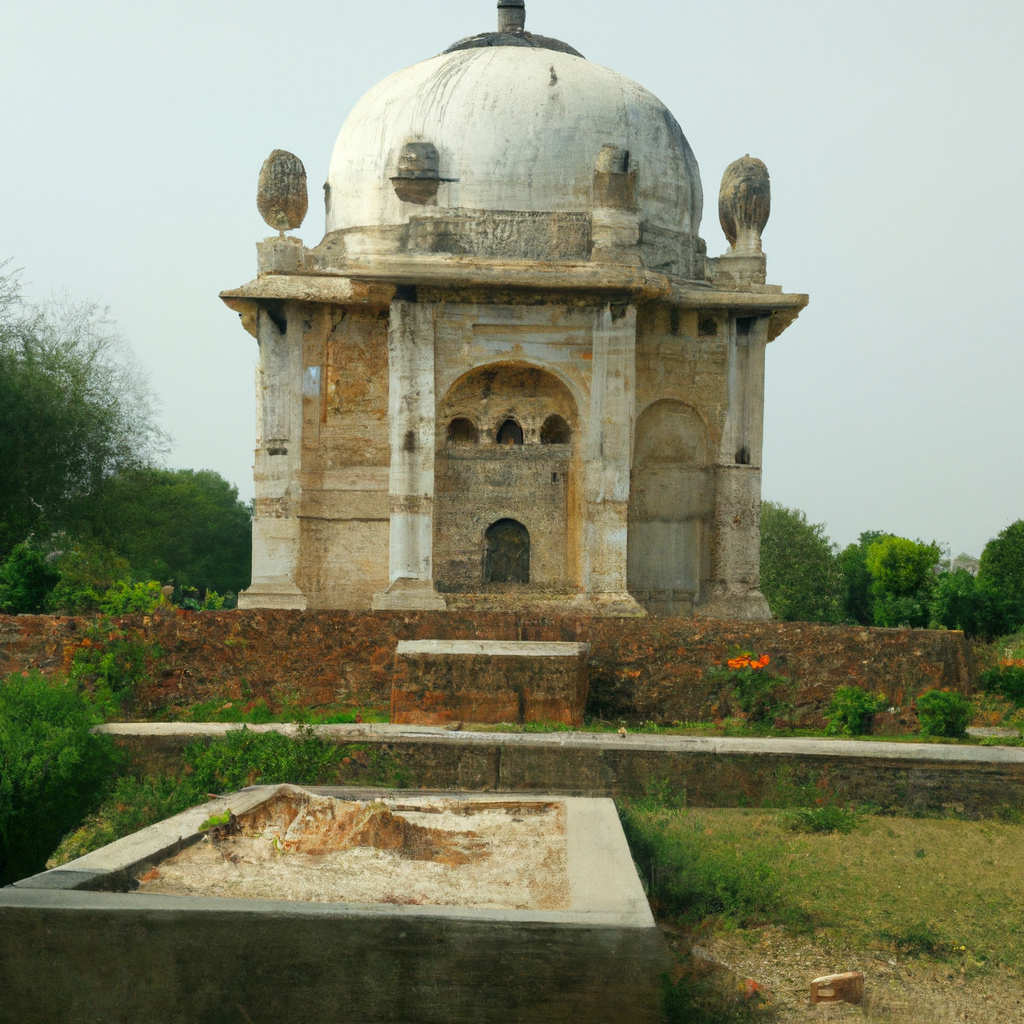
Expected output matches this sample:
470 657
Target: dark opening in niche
510 433
743 456
507 552
744 324
706 326
555 431
462 431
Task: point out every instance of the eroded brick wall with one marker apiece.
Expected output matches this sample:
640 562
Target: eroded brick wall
640 669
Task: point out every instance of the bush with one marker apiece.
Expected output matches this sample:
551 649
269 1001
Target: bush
52 768
851 709
1006 680
944 713
761 696
125 598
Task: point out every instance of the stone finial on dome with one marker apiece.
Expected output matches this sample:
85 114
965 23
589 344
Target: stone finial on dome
281 195
744 204
511 15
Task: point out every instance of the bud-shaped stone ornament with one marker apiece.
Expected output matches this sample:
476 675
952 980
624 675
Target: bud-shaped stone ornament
281 196
744 203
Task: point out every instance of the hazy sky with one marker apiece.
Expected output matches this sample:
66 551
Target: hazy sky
132 134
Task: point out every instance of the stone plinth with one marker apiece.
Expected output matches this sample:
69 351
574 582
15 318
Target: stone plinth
439 681
391 938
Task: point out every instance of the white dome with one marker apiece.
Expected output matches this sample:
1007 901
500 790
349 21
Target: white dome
516 129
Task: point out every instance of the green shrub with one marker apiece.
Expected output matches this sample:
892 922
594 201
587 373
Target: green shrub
52 768
26 579
127 598
944 713
1006 680
827 818
761 696
850 710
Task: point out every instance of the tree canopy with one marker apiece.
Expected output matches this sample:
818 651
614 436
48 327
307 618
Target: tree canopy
800 575
1001 574
74 410
183 526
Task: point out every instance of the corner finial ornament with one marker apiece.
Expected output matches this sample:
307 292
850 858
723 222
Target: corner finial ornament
511 15
744 204
281 195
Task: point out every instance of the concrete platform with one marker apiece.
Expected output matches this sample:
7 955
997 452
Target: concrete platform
78 944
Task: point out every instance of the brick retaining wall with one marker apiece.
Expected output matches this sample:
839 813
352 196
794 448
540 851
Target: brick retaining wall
649 669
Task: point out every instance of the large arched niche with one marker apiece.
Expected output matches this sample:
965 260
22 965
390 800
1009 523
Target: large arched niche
490 395
671 501
506 475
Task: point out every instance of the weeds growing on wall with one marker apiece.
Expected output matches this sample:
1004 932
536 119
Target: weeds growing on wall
109 662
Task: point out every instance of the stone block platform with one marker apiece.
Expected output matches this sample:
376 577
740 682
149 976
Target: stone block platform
335 905
440 681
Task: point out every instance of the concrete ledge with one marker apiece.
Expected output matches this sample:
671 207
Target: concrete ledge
710 771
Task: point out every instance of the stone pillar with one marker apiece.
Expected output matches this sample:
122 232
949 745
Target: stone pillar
411 411
733 591
276 526
607 459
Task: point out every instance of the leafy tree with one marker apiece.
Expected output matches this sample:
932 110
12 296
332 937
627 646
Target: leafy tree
74 409
858 599
800 576
903 580
1001 573
183 526
87 572
26 579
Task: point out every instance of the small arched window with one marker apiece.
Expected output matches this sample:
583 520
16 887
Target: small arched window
555 431
509 433
462 431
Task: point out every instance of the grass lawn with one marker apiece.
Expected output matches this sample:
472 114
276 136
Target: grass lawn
921 885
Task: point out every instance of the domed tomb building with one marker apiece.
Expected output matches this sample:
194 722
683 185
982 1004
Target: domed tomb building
510 376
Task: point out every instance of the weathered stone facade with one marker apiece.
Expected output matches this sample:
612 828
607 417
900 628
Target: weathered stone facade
510 377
